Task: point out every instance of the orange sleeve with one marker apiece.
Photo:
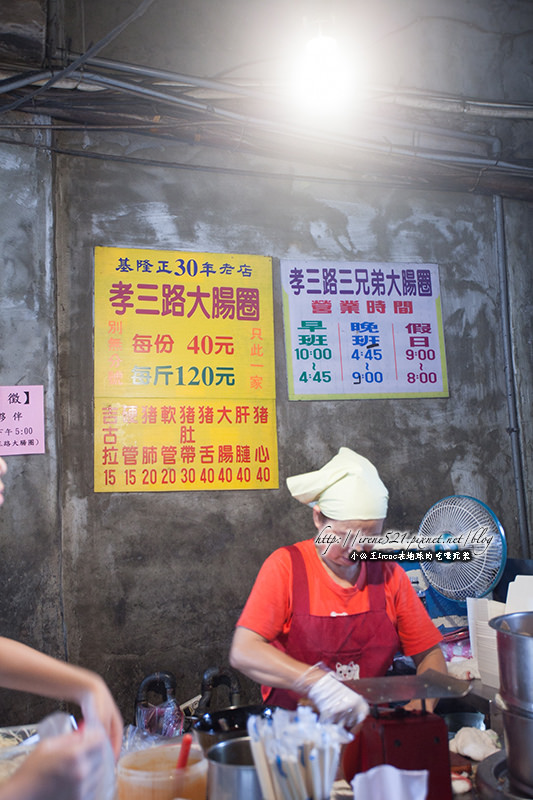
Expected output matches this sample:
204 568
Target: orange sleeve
268 608
416 629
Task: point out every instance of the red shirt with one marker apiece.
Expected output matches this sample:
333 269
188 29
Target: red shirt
268 610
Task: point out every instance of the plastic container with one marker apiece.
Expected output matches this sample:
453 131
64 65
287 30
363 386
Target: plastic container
151 774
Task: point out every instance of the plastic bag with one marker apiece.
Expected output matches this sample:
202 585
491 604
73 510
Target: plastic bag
59 723
136 738
165 719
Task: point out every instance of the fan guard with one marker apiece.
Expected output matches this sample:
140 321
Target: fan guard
467 518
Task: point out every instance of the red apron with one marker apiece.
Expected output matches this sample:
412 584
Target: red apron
368 639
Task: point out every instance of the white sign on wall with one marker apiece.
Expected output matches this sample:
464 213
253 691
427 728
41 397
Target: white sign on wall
363 330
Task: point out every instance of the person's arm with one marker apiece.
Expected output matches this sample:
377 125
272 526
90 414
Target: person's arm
429 659
67 767
25 669
252 655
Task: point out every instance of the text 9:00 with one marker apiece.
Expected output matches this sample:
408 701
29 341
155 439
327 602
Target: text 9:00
422 355
367 377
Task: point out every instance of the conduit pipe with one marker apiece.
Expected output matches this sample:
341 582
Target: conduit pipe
175 77
192 81
19 81
454 105
322 137
93 50
411 98
510 383
492 142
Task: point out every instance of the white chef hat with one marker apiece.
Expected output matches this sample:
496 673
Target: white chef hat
347 487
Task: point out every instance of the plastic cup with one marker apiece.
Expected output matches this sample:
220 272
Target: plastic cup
152 775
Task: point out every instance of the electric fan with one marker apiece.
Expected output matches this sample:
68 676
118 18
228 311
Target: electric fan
456 524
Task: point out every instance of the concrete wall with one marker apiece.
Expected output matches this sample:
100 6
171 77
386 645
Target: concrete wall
154 581
129 583
31 606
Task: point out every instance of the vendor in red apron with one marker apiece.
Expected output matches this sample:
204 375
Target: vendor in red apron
318 615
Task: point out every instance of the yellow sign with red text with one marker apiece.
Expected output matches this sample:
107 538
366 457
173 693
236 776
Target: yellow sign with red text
184 373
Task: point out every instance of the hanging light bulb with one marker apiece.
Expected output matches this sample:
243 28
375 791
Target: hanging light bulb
323 78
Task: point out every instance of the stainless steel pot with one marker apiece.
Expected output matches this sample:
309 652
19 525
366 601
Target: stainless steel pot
231 773
514 638
518 735
226 723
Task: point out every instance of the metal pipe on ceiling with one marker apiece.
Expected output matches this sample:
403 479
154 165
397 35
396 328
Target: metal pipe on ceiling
412 98
175 77
19 81
93 49
510 381
458 105
493 142
449 159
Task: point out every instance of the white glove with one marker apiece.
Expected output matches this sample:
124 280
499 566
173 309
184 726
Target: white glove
336 702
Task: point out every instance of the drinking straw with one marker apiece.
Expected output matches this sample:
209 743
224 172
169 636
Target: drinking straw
305 749
184 751
258 752
334 753
324 767
296 779
283 780
328 752
316 778
296 756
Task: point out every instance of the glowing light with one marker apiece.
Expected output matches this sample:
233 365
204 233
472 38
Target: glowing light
324 78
